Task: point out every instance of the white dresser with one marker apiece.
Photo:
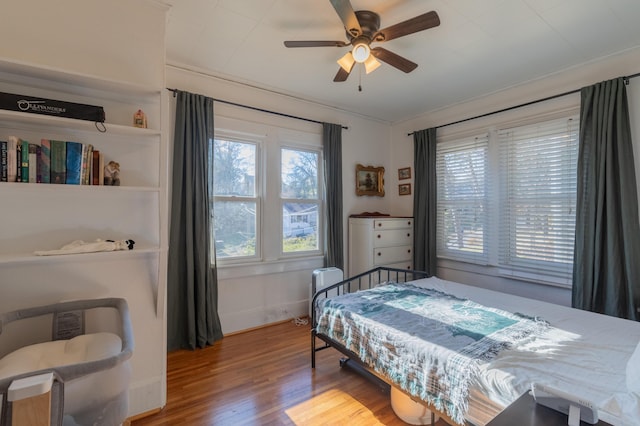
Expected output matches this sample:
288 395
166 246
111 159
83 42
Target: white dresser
380 241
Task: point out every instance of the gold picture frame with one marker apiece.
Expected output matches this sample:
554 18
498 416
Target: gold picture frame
369 180
404 173
404 189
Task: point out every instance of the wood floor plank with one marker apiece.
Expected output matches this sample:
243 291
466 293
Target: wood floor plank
264 377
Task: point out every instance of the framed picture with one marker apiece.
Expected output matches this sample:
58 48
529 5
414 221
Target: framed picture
404 173
369 180
404 189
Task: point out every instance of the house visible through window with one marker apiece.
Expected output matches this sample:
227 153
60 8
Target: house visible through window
519 214
266 194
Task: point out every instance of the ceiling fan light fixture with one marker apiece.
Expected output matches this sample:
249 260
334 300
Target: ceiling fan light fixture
347 62
361 52
371 64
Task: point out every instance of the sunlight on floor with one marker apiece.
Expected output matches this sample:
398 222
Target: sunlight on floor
329 408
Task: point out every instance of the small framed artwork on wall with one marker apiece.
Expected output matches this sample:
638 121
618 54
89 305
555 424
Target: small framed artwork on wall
369 180
404 173
404 189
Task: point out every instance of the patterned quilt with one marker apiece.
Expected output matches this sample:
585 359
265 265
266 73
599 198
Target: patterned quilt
424 341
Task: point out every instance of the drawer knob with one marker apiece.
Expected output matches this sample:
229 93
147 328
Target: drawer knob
409 251
379 224
379 236
379 254
408 235
409 223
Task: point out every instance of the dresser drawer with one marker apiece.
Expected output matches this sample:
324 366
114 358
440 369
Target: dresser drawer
392 237
396 223
407 264
387 255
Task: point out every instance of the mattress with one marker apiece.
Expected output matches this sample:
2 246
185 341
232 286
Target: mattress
582 353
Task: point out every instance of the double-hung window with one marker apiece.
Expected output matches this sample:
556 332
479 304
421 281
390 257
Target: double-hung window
463 202
300 200
236 199
266 193
508 200
538 173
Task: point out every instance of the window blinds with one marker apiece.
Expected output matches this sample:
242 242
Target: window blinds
538 190
463 183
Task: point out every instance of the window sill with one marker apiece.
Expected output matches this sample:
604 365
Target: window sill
494 271
248 269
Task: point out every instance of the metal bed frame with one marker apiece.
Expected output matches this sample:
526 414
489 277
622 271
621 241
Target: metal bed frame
358 282
363 281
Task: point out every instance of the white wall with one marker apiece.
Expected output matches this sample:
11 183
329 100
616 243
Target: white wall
121 41
627 63
254 295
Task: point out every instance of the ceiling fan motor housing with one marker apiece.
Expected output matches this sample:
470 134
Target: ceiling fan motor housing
369 23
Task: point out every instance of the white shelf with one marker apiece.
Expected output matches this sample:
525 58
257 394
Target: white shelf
75 82
39 188
32 258
28 120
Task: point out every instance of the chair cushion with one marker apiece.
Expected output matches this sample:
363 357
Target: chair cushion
83 348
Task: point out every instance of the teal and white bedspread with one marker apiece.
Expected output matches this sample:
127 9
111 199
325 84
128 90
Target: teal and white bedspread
426 342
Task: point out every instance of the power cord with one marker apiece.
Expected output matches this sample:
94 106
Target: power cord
300 321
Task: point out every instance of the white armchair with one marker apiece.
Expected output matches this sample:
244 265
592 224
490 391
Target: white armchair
89 368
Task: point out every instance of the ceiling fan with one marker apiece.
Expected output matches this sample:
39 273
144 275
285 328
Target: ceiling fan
362 29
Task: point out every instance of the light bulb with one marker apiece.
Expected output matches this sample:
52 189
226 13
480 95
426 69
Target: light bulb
360 52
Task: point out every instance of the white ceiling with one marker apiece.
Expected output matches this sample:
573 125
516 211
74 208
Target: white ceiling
480 47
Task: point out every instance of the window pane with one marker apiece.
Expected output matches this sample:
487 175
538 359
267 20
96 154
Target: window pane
299 227
234 168
235 228
299 174
539 167
462 199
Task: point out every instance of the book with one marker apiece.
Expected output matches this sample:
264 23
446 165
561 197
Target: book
12 160
95 167
74 163
18 161
87 159
3 161
44 161
33 162
24 162
58 162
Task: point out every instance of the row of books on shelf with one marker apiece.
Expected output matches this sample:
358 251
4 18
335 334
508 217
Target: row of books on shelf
51 161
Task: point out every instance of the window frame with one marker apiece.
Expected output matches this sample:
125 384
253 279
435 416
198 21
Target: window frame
318 201
270 138
494 267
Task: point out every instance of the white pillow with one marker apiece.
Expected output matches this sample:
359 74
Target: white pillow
633 371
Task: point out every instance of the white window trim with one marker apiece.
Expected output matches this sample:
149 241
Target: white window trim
542 112
270 138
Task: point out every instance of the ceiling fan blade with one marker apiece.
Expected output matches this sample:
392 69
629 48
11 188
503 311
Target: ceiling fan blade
342 75
410 26
347 16
394 60
315 43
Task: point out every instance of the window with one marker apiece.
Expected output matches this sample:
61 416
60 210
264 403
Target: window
538 168
531 186
236 201
463 199
300 198
266 193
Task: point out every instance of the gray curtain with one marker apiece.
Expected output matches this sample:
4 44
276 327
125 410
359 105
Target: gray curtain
192 287
424 201
332 155
606 274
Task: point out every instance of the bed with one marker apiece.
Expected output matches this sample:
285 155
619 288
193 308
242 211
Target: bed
469 352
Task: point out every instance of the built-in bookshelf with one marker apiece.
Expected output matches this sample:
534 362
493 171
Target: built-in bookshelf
41 216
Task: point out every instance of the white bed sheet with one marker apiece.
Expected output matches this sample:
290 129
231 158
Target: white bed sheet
584 354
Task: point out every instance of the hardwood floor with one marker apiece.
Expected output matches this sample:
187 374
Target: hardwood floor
264 377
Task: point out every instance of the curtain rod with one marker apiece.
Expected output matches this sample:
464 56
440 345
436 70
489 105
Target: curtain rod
261 110
548 98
